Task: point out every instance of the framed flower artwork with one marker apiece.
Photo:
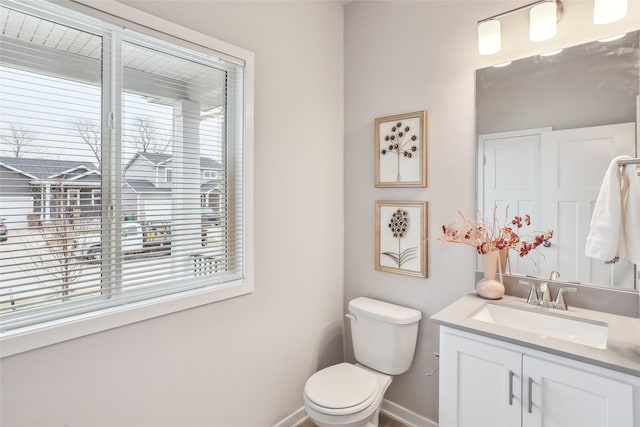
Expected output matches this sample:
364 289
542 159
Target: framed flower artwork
401 150
401 237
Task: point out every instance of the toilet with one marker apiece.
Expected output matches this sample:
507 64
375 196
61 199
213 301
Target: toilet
384 340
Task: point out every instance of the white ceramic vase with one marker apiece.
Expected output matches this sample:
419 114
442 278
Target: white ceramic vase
488 287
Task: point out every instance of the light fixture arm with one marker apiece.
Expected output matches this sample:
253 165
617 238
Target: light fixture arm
559 5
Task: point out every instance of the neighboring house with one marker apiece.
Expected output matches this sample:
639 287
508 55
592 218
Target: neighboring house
148 178
152 167
47 187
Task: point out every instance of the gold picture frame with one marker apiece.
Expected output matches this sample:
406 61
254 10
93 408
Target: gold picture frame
401 150
401 237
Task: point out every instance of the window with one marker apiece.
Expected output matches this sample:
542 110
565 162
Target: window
91 111
95 197
209 174
73 198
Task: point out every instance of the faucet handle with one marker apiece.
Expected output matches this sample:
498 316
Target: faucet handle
559 303
545 296
533 294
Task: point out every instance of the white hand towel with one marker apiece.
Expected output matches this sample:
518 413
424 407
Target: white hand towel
605 240
631 214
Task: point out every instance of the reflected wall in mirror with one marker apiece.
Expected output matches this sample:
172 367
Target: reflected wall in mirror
548 128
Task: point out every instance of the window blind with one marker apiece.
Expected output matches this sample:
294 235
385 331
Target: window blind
121 158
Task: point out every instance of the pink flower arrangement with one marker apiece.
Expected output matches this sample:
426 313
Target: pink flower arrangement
493 237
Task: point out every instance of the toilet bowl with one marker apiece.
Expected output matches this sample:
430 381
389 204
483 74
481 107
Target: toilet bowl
350 395
345 395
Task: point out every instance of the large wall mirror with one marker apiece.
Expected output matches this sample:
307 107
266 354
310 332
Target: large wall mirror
548 127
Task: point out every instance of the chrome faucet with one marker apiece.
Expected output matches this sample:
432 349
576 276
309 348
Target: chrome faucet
533 293
545 295
554 275
559 303
542 296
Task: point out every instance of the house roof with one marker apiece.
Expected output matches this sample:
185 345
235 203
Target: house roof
54 169
84 176
70 170
156 158
209 163
164 159
145 186
210 185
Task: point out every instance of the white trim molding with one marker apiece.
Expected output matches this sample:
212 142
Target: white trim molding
293 420
405 416
390 409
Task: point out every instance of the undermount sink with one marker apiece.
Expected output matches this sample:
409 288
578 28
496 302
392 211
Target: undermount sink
545 324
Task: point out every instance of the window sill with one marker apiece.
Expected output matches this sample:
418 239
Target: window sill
42 335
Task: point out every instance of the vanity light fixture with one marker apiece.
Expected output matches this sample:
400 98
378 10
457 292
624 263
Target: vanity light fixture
543 18
607 11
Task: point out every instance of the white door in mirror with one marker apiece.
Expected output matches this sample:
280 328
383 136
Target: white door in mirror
575 162
554 176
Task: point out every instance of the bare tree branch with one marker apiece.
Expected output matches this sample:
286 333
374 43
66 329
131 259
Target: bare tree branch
90 133
19 138
147 138
53 250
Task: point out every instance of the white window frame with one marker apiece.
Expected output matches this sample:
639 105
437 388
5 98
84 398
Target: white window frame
40 335
168 175
96 196
73 197
209 174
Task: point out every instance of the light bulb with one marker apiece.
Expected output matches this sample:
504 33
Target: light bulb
489 37
542 21
607 11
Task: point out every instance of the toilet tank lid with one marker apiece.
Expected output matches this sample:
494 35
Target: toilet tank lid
383 311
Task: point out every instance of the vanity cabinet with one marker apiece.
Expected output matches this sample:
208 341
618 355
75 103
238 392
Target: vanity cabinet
491 383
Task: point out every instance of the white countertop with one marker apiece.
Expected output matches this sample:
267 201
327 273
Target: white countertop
623 339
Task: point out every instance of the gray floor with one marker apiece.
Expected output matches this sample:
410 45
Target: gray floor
385 421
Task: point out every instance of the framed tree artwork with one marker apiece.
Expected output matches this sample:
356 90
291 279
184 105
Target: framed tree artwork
401 239
401 150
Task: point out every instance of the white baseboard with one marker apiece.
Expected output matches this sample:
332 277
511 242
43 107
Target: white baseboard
393 410
405 416
293 420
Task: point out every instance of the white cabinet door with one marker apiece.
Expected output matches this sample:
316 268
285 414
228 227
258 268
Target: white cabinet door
477 381
562 396
490 383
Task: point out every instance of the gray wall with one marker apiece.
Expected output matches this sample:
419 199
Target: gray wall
241 362
407 56
397 63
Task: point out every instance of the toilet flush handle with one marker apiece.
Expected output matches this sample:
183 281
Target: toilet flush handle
351 316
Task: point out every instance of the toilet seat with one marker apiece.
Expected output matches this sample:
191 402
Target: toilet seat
342 389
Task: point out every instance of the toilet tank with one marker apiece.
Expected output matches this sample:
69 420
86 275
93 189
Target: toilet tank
383 335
